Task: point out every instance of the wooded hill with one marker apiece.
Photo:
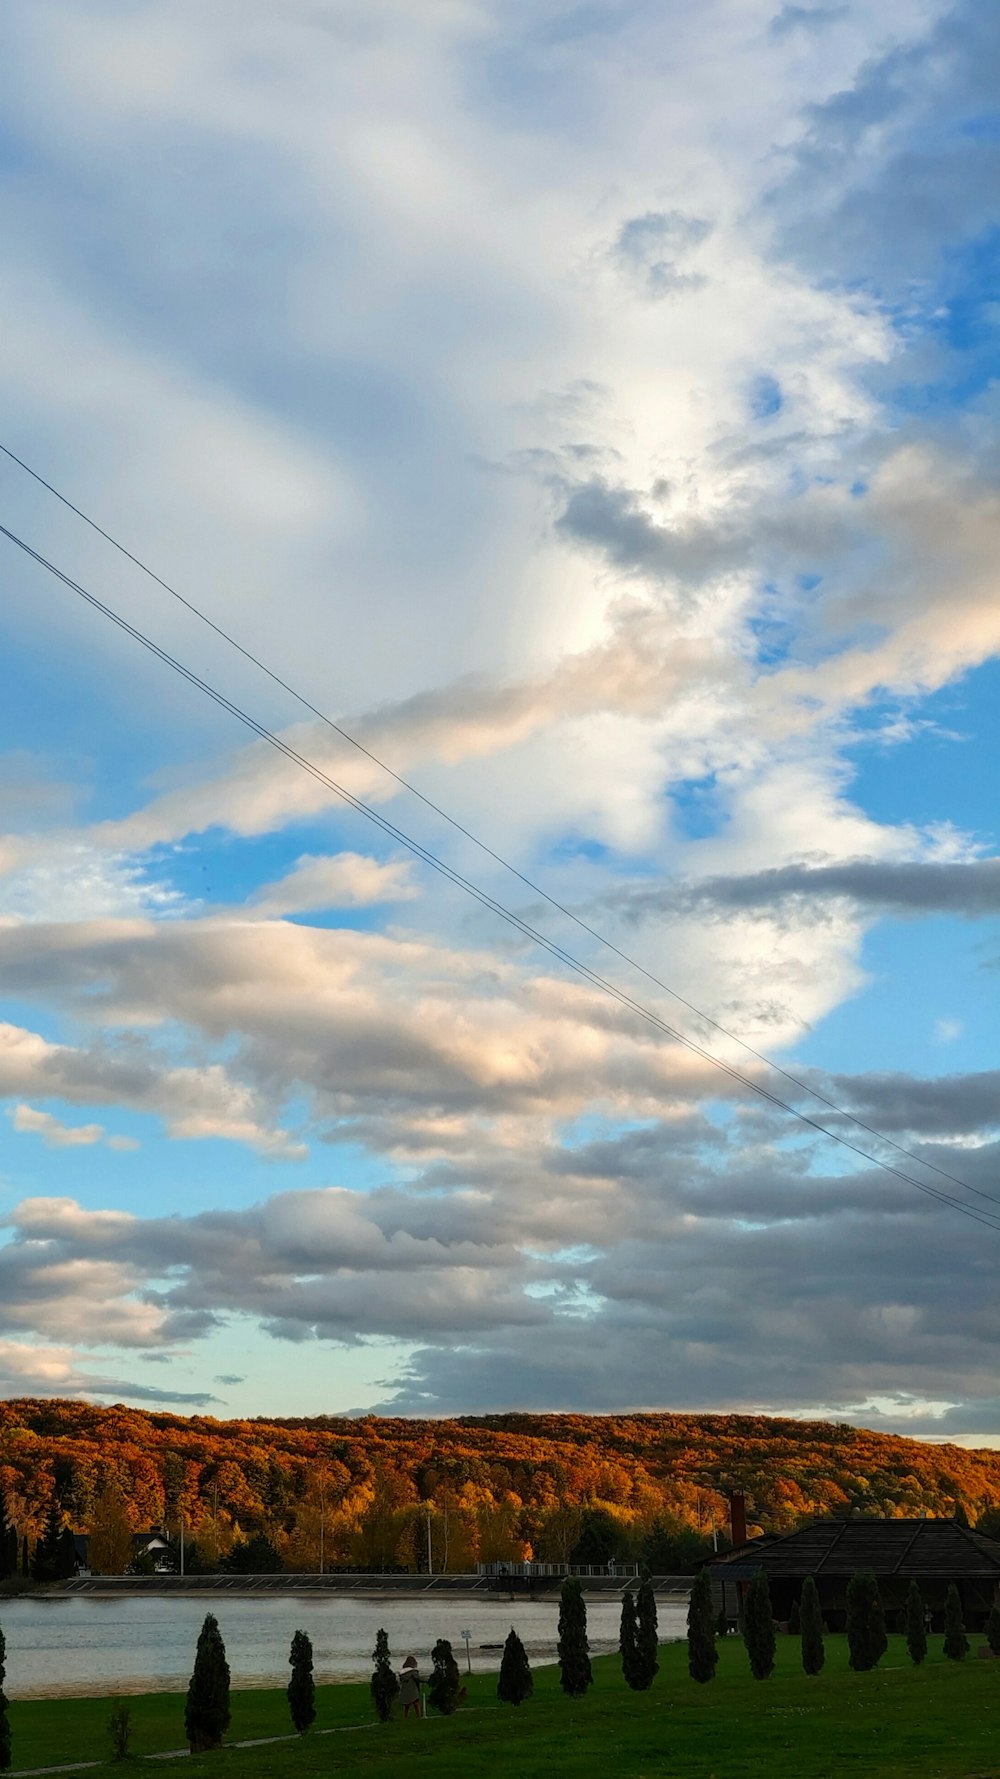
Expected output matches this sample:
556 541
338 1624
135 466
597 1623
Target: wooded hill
497 1487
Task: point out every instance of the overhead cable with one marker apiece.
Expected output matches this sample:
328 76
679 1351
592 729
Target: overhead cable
794 1080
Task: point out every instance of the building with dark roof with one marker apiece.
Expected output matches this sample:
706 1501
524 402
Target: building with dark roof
933 1553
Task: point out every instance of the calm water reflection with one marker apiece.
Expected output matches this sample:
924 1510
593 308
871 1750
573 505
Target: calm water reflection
91 1645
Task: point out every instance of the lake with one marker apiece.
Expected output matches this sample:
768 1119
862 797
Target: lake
92 1645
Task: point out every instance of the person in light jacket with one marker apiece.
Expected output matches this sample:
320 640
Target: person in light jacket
409 1687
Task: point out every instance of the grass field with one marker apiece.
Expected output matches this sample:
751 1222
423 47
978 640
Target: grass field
938 1722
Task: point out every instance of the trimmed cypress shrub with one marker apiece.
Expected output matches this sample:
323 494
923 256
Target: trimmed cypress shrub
575 1673
628 1644
5 1748
722 1625
956 1643
866 1638
702 1653
916 1625
516 1682
301 1688
384 1683
993 1629
446 1681
795 1619
647 1633
206 1710
758 1627
811 1627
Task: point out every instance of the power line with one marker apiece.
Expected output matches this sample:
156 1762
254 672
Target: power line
787 1074
489 902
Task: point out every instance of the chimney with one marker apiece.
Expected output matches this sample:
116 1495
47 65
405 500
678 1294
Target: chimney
738 1517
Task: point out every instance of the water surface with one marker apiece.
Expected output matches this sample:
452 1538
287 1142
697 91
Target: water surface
81 1645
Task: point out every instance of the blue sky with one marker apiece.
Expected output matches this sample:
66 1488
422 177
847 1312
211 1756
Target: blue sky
594 411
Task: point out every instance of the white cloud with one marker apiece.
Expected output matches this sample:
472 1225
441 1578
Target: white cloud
344 880
57 1135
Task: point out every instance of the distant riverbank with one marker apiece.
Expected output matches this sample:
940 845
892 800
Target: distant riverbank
367 1586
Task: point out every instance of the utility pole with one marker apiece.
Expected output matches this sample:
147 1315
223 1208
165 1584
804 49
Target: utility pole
322 1525
430 1555
182 1544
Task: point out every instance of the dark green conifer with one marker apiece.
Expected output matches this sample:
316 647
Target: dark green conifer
758 1627
575 1673
45 1561
302 1688
446 1681
516 1682
5 1747
811 1627
721 1624
956 1643
916 1625
795 1619
993 1629
647 1633
206 1712
866 1638
628 1644
702 1653
384 1683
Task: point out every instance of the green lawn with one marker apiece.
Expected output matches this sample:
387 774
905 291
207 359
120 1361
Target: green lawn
938 1722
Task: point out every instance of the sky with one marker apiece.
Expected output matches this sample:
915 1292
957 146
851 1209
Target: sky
593 410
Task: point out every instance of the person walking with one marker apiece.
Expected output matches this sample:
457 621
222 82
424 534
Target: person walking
409 1687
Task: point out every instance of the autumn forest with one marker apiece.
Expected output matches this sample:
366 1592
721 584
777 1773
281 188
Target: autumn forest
363 1492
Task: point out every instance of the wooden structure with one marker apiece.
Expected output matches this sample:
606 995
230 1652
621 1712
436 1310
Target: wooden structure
933 1553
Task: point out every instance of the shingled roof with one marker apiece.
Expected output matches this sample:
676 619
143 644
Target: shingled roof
885 1547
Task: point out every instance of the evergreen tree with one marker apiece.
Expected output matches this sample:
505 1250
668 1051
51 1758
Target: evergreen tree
758 1627
301 1689
811 1627
206 1712
49 1552
702 1653
5 1749
384 1683
628 1641
575 1673
516 1682
866 1638
647 1633
916 1625
956 1643
795 1619
445 1681
721 1624
253 1556
993 1629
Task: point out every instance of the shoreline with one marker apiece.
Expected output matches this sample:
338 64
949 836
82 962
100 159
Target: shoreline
467 1588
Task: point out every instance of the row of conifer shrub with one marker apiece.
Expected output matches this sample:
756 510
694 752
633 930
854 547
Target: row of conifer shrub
866 1633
